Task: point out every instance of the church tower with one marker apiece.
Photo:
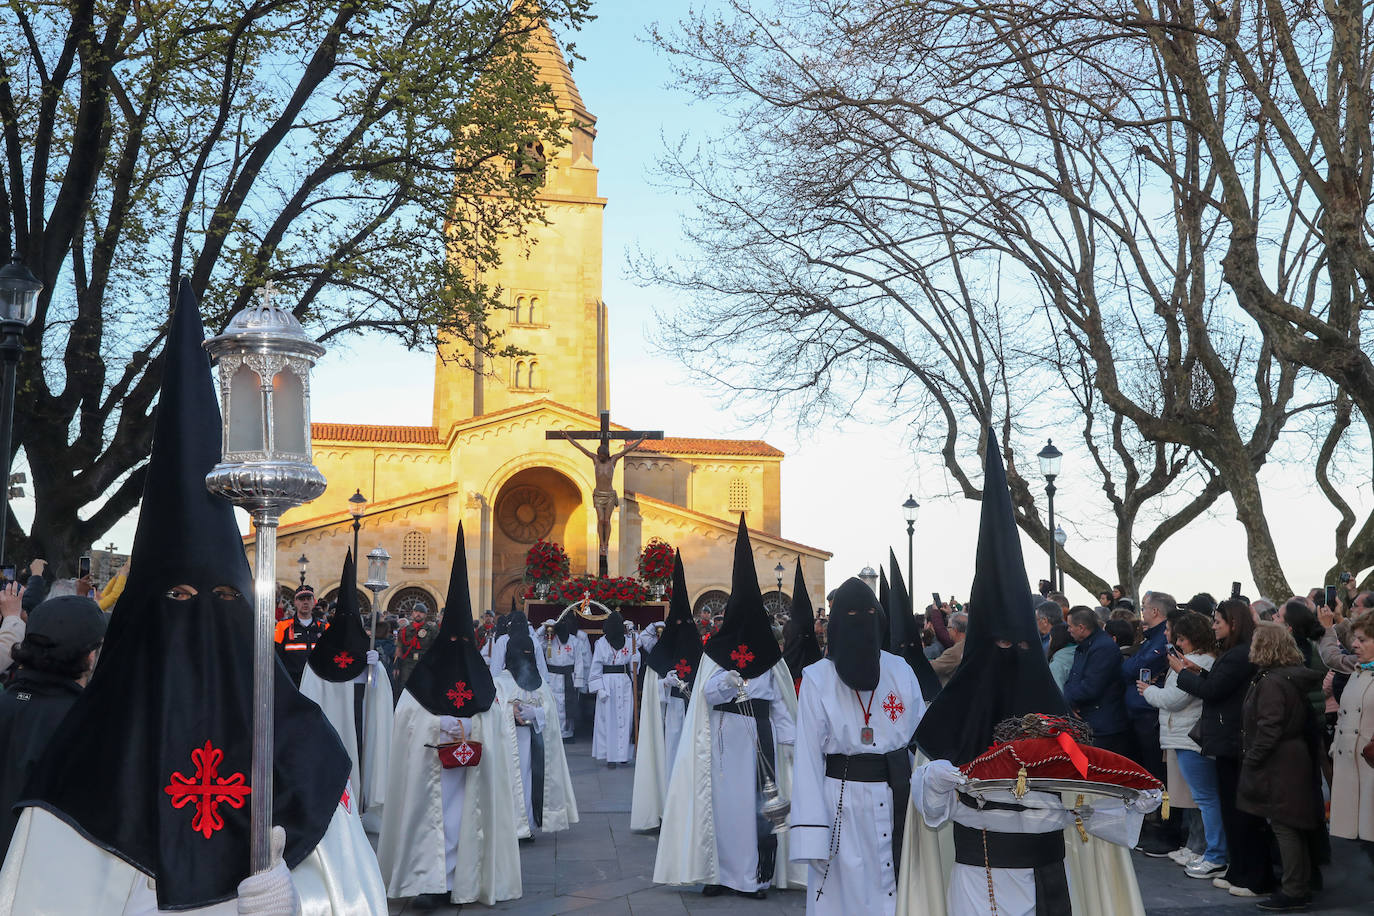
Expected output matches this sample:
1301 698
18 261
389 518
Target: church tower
551 280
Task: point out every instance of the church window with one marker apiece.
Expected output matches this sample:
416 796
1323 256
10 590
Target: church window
534 309
529 380
521 310
520 373
738 495
414 551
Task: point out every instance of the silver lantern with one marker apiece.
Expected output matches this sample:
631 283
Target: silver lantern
264 358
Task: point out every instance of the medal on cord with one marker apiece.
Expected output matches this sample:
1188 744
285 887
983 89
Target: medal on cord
866 733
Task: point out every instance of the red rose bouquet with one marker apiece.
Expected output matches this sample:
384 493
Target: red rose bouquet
546 562
656 561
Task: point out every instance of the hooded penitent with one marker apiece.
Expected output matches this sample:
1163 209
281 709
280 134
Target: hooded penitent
613 630
799 644
906 636
169 709
341 653
451 679
854 635
679 647
520 661
993 682
744 642
567 624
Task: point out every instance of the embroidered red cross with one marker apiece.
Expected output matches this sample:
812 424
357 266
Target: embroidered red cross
741 656
463 753
343 659
344 799
459 694
893 706
207 789
682 668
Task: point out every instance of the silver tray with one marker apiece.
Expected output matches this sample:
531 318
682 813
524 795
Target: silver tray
980 787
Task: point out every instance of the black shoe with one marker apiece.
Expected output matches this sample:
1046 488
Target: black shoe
430 902
753 895
1281 903
1154 848
610 765
713 890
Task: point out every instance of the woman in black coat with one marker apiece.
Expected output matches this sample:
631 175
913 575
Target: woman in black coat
1222 691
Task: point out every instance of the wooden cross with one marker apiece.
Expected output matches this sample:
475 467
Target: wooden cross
604 499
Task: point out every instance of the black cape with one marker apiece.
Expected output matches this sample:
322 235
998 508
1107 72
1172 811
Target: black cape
451 679
171 701
906 636
884 597
799 644
679 647
613 630
744 642
341 654
855 635
520 661
992 683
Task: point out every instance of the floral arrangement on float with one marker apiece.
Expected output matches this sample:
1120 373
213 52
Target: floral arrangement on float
545 564
656 565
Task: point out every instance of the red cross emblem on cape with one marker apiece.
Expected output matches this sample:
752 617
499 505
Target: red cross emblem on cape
682 668
459 694
207 789
343 659
893 706
463 753
741 656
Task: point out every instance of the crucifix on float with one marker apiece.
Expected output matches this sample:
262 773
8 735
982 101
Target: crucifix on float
604 499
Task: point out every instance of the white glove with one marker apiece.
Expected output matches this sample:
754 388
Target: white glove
943 777
450 726
672 680
373 656
270 893
734 679
1145 802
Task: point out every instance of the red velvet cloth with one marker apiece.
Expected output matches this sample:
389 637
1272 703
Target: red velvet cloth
1045 758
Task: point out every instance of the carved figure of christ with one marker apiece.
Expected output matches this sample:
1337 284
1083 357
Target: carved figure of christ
604 498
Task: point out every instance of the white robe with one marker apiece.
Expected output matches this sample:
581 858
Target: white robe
1097 883
651 757
708 835
566 653
613 731
560 805
449 830
51 870
336 701
860 877
584 649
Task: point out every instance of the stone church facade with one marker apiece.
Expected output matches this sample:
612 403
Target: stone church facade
485 461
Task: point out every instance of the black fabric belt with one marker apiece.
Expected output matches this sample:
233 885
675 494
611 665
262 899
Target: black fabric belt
613 669
968 801
562 669
1007 850
679 693
755 708
893 768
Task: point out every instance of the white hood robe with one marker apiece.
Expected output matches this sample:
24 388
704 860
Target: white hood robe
661 715
560 805
613 730
566 654
1100 875
709 834
859 877
336 701
51 870
449 830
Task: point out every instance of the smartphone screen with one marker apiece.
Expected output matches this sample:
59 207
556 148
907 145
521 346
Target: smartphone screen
1235 589
935 596
1331 596
7 572
83 567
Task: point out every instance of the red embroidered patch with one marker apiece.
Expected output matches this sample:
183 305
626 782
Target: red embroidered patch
345 800
682 668
207 789
463 753
741 656
459 694
343 659
893 706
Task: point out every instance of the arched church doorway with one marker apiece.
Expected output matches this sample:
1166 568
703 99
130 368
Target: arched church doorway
536 503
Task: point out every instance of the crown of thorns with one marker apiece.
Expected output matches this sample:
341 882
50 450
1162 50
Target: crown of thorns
1037 725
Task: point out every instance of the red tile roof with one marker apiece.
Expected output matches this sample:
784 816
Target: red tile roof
679 445
357 432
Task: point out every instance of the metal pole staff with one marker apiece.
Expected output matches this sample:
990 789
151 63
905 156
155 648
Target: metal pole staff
264 680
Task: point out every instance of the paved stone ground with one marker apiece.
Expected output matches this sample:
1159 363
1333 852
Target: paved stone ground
601 867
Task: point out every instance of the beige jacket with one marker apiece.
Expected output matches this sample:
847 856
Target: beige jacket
1352 779
945 663
11 635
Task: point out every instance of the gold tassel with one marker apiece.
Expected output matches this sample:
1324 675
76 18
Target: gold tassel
1078 822
1020 789
1164 808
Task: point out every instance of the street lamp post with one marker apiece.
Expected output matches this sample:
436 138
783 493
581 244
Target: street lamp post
357 507
778 571
19 290
1050 459
264 358
1060 539
376 583
909 510
304 564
